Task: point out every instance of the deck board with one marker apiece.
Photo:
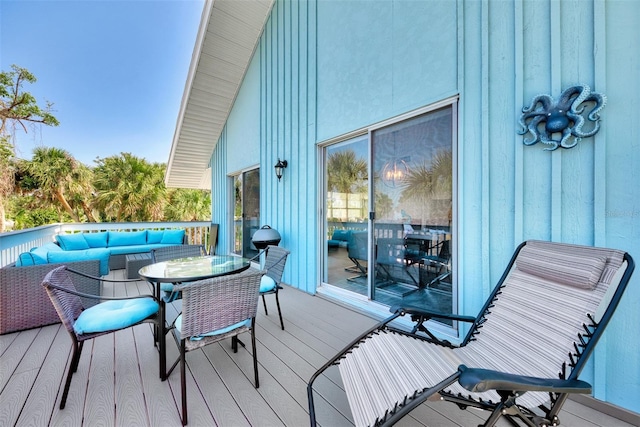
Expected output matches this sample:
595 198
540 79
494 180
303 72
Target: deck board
117 380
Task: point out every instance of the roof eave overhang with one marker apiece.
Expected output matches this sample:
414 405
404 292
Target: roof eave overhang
226 41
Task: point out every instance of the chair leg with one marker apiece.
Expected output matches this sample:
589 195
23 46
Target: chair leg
279 312
253 349
73 367
264 302
183 381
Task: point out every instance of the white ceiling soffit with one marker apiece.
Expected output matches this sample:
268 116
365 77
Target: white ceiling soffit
228 34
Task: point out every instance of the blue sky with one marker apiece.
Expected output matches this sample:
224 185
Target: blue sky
115 71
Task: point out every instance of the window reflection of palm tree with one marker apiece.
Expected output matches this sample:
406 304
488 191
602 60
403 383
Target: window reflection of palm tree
347 174
427 183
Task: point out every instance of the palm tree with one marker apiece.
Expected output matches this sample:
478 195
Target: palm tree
428 183
130 188
346 173
188 205
53 171
81 188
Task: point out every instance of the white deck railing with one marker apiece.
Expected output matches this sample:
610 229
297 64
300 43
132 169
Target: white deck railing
13 243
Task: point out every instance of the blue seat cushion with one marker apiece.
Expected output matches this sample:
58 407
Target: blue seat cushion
114 314
267 284
169 294
247 323
100 254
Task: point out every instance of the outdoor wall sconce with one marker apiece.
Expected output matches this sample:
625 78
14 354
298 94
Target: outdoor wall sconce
544 117
280 167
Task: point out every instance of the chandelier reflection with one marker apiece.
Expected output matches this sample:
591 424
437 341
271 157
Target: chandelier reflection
395 172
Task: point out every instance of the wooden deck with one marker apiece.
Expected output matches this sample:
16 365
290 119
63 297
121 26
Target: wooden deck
117 380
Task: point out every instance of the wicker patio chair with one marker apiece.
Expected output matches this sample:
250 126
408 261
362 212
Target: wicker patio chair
274 262
168 253
111 315
212 310
521 357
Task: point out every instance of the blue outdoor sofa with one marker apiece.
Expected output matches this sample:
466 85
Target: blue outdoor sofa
24 303
108 247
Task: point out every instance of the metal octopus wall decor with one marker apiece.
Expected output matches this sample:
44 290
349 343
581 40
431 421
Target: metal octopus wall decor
545 118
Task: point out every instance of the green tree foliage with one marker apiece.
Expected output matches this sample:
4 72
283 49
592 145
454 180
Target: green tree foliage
129 189
54 187
188 205
55 172
17 109
347 173
7 171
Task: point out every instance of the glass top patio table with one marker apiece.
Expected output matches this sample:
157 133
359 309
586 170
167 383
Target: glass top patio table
192 269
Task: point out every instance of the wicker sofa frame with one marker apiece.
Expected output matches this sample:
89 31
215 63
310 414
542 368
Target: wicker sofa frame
24 304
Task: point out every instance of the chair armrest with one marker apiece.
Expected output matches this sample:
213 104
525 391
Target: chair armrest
480 380
79 273
98 297
427 315
257 257
420 316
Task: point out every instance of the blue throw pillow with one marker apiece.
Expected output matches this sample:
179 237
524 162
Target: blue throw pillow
114 314
29 258
72 242
154 236
127 238
96 240
172 237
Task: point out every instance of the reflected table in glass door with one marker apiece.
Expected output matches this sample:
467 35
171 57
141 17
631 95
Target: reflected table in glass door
186 270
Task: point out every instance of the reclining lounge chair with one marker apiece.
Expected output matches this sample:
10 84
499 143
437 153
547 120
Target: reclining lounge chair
521 357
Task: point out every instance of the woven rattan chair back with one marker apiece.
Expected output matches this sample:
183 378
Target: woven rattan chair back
212 304
167 253
274 263
67 305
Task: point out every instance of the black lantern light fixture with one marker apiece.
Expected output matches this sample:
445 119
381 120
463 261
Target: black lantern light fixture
280 166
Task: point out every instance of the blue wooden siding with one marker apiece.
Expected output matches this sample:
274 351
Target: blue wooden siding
330 67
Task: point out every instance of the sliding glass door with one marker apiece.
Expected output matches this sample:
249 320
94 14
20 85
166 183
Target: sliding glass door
389 211
412 160
347 209
246 211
